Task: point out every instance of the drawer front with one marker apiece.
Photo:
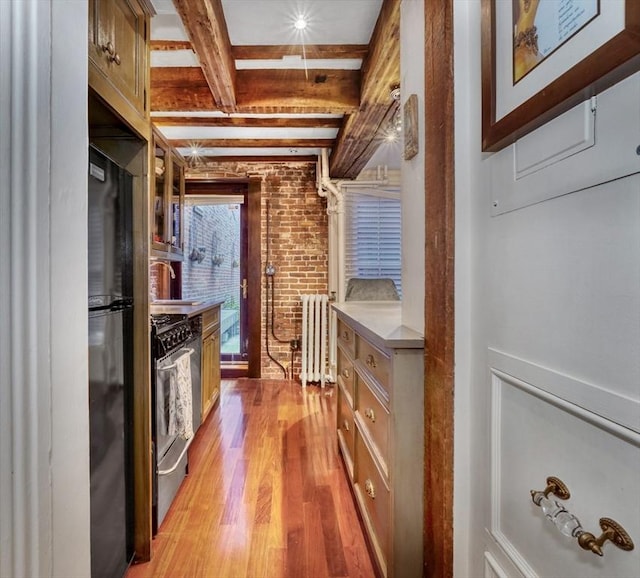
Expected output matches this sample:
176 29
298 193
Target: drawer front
375 418
346 428
345 373
373 496
346 337
376 362
210 318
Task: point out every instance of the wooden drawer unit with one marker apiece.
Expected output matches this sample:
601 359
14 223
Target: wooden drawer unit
374 499
373 418
345 374
382 395
210 318
376 362
346 337
346 429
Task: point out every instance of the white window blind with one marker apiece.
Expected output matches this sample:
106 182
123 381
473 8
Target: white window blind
373 243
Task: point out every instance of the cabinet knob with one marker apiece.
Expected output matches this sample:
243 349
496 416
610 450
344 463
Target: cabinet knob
345 425
109 48
371 361
369 413
345 373
370 489
115 59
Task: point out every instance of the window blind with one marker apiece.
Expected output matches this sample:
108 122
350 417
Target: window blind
373 237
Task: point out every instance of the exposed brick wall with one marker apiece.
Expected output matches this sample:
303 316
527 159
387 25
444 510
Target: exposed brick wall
298 245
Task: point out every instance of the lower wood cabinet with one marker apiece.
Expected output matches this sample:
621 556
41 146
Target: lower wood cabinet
210 359
380 431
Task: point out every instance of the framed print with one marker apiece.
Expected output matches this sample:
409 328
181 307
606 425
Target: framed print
410 127
542 57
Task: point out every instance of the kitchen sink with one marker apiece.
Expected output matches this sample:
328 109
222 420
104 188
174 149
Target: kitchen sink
176 302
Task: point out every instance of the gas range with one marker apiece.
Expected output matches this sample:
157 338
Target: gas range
169 332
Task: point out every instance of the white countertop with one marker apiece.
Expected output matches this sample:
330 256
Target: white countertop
380 322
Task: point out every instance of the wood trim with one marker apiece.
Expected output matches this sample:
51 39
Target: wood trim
311 51
207 30
254 279
226 121
439 289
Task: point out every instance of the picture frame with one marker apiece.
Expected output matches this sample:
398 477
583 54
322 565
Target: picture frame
410 122
605 51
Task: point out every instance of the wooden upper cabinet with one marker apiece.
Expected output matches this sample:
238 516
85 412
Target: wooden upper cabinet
119 57
167 200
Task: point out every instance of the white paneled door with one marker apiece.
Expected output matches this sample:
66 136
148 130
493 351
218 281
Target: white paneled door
559 339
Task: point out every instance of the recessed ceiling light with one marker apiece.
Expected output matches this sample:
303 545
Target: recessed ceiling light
300 23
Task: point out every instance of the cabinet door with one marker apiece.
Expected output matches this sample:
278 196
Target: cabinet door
159 202
215 369
176 205
117 46
207 374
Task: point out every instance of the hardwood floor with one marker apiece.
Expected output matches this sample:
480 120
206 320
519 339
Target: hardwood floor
266 495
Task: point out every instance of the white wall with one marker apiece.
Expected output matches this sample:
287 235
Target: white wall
44 433
413 215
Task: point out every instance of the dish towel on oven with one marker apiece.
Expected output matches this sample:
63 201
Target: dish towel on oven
180 398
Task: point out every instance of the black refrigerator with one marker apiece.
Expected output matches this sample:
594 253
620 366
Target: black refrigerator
110 270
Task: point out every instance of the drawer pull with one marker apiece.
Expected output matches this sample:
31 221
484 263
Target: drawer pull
108 48
345 373
369 413
345 335
371 361
345 425
111 51
370 489
569 525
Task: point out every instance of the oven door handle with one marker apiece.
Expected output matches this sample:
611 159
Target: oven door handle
175 466
189 351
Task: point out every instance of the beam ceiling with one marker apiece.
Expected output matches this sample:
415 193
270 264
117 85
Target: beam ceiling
361 97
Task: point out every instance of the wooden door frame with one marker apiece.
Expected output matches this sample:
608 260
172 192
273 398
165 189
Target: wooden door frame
251 188
439 288
254 276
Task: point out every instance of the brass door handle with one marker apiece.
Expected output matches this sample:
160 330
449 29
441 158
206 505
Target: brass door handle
569 525
370 489
244 286
369 413
345 373
371 361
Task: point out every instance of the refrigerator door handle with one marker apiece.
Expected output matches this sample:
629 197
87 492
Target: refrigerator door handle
116 305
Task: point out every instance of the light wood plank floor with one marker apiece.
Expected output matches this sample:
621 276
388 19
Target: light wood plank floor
266 494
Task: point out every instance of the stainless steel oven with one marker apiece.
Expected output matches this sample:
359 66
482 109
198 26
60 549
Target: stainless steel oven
172 336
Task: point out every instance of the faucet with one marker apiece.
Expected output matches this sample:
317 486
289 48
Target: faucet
171 271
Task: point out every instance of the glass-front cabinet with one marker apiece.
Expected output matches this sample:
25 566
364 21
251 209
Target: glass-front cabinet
167 200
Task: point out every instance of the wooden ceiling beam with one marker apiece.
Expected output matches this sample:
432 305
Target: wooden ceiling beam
170 45
205 160
318 90
207 29
243 121
310 51
296 143
361 133
259 91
